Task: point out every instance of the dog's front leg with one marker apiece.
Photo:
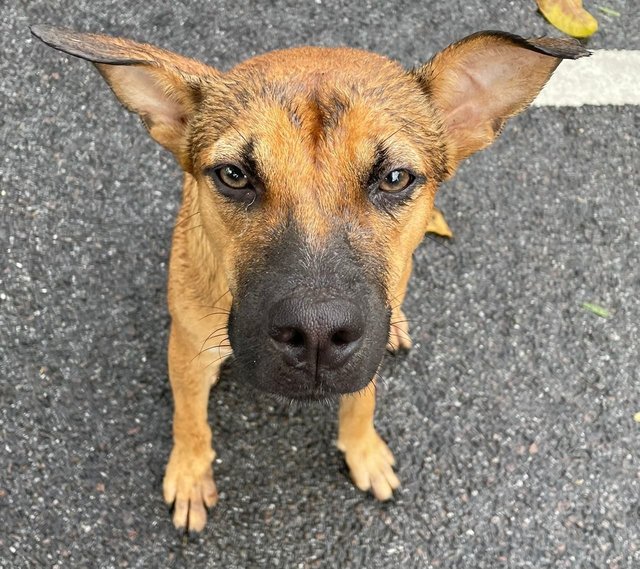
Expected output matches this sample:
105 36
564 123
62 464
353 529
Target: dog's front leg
188 483
368 457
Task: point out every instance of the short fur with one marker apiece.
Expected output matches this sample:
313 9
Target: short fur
318 242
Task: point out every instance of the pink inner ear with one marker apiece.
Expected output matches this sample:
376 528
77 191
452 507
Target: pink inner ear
487 86
465 99
145 91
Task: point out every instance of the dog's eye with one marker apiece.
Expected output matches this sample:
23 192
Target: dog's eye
232 177
233 183
396 181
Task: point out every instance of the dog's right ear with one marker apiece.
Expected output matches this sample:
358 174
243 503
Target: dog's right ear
160 86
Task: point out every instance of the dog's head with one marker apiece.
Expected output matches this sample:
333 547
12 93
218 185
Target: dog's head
316 171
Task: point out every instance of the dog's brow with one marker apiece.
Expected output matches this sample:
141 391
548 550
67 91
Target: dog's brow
381 161
248 159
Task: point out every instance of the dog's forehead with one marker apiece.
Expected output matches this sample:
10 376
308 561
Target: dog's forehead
318 62
327 80
312 94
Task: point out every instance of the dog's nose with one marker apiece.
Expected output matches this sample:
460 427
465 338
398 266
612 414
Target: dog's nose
323 334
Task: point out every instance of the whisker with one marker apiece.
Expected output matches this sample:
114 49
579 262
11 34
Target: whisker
216 331
393 134
218 347
218 335
395 298
441 243
219 312
401 332
185 220
226 338
379 379
217 300
221 330
234 128
222 357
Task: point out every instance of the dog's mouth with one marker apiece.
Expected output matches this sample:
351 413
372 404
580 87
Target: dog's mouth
320 394
299 388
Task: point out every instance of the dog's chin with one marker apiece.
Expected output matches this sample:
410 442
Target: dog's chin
318 397
291 393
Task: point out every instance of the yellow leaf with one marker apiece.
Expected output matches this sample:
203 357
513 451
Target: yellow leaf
569 17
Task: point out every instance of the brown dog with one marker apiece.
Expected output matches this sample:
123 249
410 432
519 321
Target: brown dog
309 180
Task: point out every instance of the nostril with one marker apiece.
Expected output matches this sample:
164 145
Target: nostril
344 337
289 336
296 339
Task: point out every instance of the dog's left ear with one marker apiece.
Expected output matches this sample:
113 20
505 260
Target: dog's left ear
486 78
162 87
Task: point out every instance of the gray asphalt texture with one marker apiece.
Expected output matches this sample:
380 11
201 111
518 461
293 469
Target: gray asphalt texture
511 418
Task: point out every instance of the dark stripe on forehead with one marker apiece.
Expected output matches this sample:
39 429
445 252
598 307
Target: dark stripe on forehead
333 107
248 160
379 165
317 110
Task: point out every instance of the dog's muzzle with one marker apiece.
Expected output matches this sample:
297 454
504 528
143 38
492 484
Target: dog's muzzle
310 325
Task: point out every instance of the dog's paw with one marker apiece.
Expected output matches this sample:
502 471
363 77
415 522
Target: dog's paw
188 485
399 338
370 464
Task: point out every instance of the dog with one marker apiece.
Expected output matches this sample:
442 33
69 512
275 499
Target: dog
309 180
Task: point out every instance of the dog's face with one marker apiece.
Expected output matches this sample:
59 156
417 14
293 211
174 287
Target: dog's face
316 171
316 184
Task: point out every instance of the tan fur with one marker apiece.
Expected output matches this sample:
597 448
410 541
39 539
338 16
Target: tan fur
315 117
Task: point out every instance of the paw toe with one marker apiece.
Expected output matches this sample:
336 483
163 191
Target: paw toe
191 490
180 513
209 491
370 464
197 514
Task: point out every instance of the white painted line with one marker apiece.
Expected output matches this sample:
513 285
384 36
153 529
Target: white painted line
608 77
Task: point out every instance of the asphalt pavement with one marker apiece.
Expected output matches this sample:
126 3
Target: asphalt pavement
512 419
